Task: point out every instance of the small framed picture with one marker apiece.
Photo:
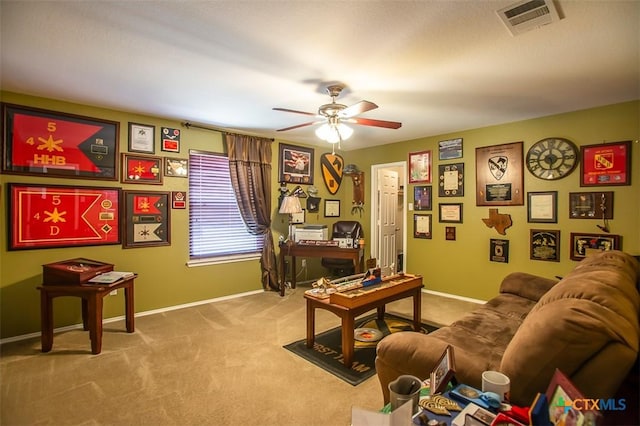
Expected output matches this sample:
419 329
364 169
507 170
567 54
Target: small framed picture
591 205
560 394
422 197
450 149
170 139
450 212
542 207
420 167
298 218
331 208
443 373
606 164
176 167
296 165
141 169
545 245
142 138
585 244
499 250
450 233
422 226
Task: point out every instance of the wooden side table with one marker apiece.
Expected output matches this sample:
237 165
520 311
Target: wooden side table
92 302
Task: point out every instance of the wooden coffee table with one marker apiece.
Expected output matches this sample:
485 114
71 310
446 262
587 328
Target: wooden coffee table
348 306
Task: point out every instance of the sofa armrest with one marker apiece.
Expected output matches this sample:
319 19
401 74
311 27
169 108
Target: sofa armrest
525 285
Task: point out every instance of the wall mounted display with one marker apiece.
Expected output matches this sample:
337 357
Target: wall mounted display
542 207
451 180
591 205
422 197
296 164
142 138
499 251
586 244
179 199
47 216
420 167
331 208
141 169
450 149
147 219
545 245
450 212
176 167
332 166
606 164
552 158
42 142
422 226
450 233
298 218
499 221
500 175
170 141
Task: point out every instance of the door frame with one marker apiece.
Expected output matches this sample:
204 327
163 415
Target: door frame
375 208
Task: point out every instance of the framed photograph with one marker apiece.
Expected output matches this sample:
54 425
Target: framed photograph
451 180
499 250
298 218
176 167
296 164
331 208
170 139
545 245
450 212
443 373
47 143
450 233
420 167
141 169
500 175
142 138
147 219
591 205
450 149
179 199
585 244
606 164
542 207
422 226
560 395
53 216
422 197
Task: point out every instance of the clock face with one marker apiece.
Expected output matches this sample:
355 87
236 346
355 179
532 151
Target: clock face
552 158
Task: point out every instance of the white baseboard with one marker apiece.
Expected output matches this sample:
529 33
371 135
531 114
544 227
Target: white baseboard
454 296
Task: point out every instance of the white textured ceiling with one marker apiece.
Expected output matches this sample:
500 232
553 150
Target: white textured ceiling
435 66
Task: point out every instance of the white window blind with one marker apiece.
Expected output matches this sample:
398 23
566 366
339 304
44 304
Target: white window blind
216 228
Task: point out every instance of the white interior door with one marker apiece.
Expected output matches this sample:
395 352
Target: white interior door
388 220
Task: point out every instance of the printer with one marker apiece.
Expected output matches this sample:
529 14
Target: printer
311 232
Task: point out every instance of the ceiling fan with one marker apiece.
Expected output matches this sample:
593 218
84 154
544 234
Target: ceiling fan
333 116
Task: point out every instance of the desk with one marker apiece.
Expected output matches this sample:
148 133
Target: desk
299 250
92 301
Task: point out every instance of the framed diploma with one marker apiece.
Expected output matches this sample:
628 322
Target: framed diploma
545 245
331 208
500 175
591 205
606 164
142 138
586 244
451 180
542 207
422 226
450 212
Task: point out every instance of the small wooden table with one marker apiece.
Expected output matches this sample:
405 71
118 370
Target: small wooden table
92 302
301 250
406 286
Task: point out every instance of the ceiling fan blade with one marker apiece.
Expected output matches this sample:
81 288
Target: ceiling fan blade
358 108
376 123
310 123
295 111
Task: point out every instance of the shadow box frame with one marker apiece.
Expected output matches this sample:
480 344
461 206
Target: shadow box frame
544 245
493 163
146 213
287 171
420 228
152 161
26 129
605 164
591 205
417 173
173 166
52 206
584 244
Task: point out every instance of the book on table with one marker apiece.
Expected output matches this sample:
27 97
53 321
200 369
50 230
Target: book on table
110 277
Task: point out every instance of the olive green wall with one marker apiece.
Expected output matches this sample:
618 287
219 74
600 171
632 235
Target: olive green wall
462 267
165 280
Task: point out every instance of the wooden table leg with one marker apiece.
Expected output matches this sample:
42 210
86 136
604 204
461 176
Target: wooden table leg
417 310
380 310
95 322
282 272
311 323
347 339
128 308
293 272
85 314
46 321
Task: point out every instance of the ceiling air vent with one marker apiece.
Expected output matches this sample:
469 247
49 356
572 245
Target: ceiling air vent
528 14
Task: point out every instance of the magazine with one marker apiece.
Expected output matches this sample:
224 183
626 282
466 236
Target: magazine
110 277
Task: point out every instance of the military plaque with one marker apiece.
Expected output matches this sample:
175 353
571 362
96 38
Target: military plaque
499 175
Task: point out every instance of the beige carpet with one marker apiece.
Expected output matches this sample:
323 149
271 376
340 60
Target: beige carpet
220 363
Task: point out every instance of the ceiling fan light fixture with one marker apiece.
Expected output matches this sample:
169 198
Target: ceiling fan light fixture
334 133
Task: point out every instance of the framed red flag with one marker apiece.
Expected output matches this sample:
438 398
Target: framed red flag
147 219
141 169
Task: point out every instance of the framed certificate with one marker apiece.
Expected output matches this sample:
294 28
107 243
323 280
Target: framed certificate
142 138
451 180
422 226
542 207
331 208
450 212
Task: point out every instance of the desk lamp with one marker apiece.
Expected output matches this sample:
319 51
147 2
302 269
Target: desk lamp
290 205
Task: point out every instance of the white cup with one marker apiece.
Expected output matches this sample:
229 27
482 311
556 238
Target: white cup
496 382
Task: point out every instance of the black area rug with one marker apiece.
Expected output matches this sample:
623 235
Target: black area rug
327 350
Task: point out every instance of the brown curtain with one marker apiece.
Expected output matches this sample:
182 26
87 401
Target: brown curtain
250 169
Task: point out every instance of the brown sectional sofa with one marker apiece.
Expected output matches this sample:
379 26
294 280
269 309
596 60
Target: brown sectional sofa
587 325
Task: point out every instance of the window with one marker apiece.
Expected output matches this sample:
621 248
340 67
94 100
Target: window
216 229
